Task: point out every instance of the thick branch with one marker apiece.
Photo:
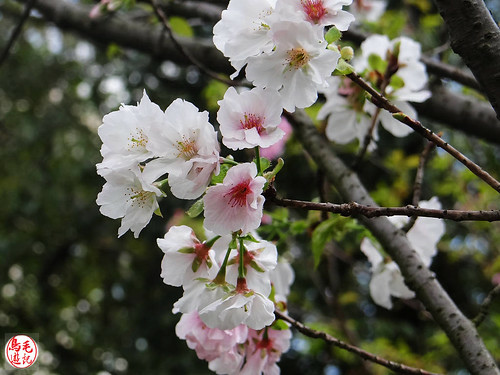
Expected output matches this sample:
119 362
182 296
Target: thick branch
475 36
394 366
355 209
458 328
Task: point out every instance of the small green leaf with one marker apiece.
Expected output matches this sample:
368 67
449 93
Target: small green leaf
196 209
343 68
196 264
158 212
180 26
377 63
321 235
264 163
333 35
396 82
279 325
400 116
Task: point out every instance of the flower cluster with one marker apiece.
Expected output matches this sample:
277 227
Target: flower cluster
386 279
141 144
282 44
394 68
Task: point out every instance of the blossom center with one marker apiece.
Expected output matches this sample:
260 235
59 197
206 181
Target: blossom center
314 10
201 251
252 121
138 197
187 148
138 140
238 194
297 58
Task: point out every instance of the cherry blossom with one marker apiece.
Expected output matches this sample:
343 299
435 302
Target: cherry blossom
317 12
239 306
187 149
250 119
264 351
186 258
221 348
130 195
259 258
298 65
126 133
243 31
369 10
386 281
277 149
344 111
235 204
424 236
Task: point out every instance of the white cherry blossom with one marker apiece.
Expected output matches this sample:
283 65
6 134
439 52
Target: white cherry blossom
424 236
243 31
130 195
368 10
250 118
188 150
298 65
186 257
126 133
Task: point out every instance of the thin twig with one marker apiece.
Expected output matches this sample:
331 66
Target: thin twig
394 366
17 31
367 140
417 186
382 102
353 209
484 309
164 20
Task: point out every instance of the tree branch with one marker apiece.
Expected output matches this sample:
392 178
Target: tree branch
382 102
475 36
485 306
356 209
418 277
394 366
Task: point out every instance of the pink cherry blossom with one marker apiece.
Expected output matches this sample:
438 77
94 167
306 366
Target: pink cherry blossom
221 348
264 351
250 118
235 204
277 149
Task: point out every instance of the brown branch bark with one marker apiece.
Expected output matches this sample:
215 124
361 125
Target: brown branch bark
475 36
309 332
458 328
356 209
382 102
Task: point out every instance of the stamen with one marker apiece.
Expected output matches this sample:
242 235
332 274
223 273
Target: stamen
238 194
314 9
252 121
297 58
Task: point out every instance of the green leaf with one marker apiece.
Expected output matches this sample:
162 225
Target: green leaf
264 163
158 212
321 235
377 63
333 35
196 209
343 68
396 82
180 26
279 325
220 177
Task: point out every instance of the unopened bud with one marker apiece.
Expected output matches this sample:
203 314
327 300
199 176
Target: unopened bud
347 53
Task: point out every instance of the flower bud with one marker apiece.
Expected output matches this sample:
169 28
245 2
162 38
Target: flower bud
347 53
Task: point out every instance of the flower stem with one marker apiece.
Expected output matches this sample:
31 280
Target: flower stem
241 265
257 161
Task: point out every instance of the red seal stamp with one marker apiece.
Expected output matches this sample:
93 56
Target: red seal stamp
21 351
